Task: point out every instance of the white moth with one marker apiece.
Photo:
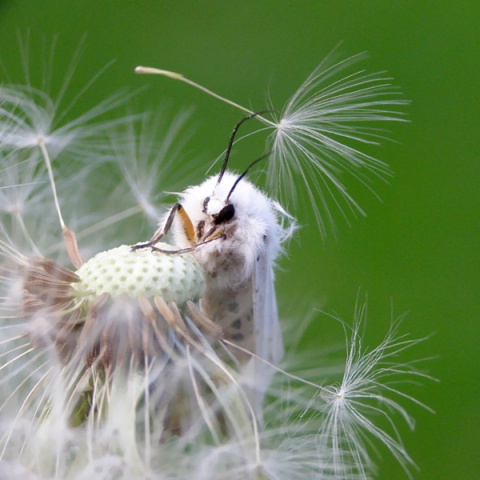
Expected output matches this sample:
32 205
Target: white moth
239 262
235 232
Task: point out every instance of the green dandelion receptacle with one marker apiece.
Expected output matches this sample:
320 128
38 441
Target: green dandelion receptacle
120 306
121 271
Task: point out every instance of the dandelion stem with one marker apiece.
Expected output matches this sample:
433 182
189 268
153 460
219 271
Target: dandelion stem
48 163
180 77
68 234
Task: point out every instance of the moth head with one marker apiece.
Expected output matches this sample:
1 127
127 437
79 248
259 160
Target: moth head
223 211
224 203
219 211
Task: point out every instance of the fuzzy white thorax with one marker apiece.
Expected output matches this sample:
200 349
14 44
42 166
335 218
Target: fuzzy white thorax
254 230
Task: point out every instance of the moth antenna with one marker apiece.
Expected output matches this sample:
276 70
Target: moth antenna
232 138
244 173
181 78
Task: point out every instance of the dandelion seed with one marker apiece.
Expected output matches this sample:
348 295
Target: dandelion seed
28 119
35 127
321 129
148 151
369 389
317 136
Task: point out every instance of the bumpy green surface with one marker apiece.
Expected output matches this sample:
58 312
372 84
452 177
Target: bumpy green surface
119 271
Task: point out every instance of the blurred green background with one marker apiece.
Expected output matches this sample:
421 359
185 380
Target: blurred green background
418 249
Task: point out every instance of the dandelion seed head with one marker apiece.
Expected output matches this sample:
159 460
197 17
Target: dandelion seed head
201 426
284 124
117 370
119 271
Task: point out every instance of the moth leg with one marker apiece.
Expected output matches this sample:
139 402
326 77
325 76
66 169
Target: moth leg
162 231
189 249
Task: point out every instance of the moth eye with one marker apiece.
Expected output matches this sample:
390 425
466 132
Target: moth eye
205 204
225 214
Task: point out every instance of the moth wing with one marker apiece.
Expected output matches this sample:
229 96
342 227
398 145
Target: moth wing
268 335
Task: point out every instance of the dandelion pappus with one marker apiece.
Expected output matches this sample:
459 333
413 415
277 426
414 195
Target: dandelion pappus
317 139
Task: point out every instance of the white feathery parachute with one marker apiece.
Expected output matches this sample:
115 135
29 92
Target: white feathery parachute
318 136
